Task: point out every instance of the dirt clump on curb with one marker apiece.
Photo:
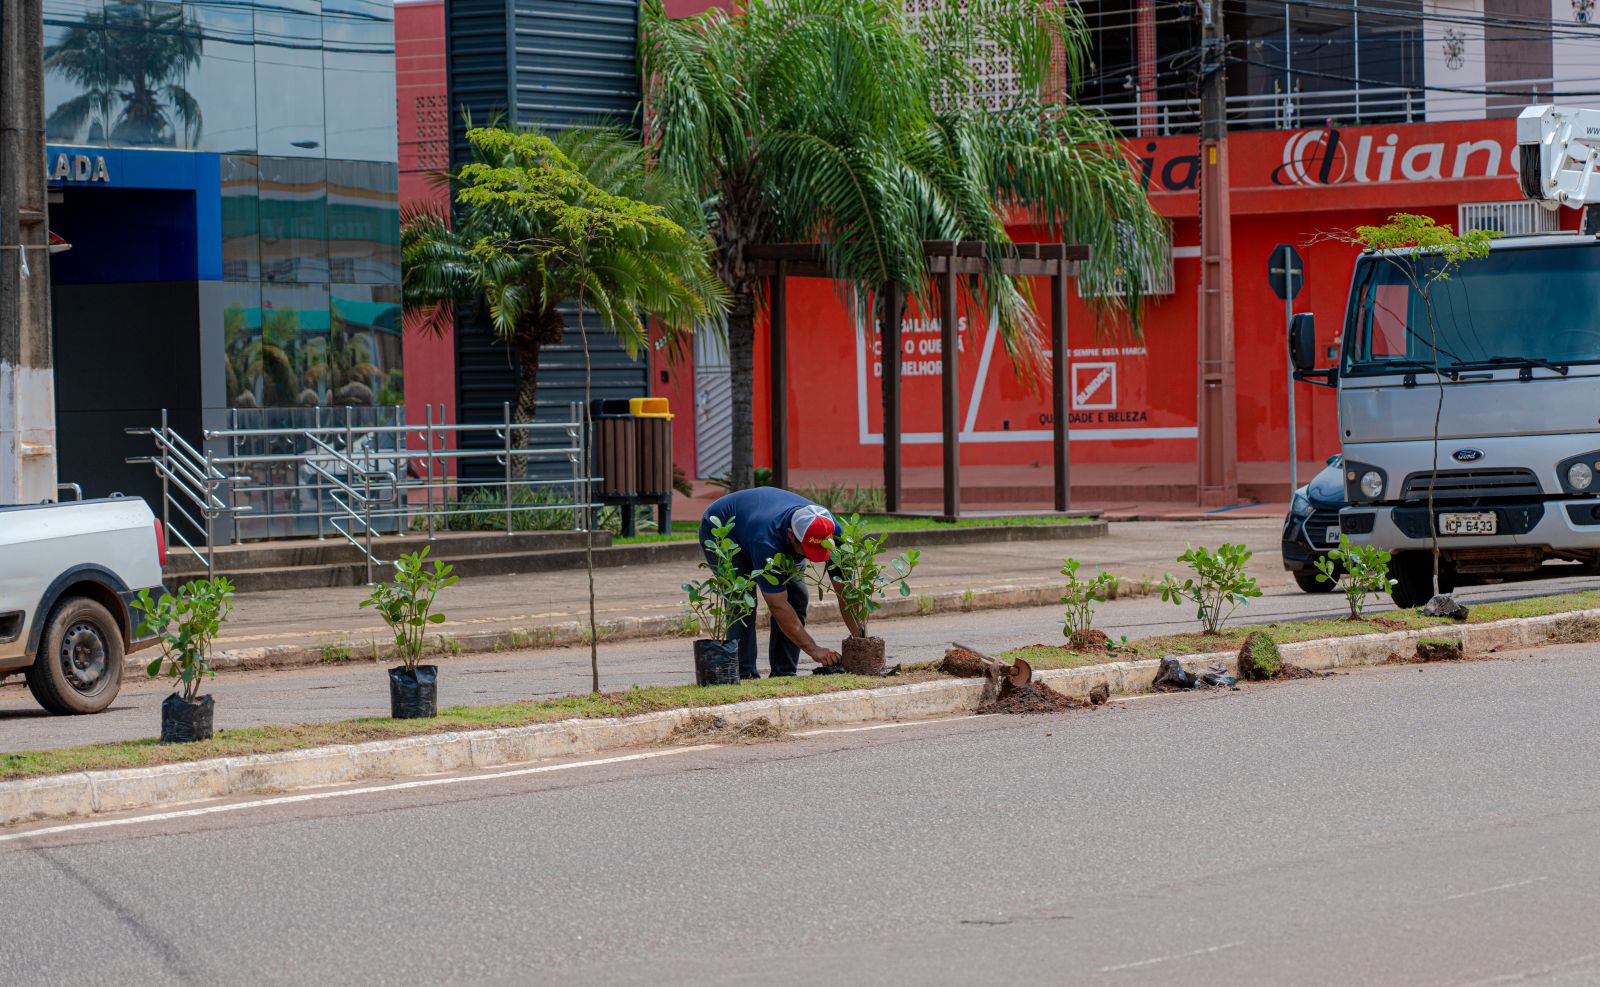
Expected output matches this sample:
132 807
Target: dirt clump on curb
1035 697
962 663
1301 672
1387 623
704 726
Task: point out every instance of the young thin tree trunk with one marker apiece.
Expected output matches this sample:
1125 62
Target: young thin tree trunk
741 375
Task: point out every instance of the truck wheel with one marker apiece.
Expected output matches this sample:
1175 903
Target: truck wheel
1413 576
79 665
1308 582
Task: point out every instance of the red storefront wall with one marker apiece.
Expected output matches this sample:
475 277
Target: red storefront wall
430 360
1133 395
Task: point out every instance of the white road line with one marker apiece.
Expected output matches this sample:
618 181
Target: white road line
1523 976
1174 956
879 726
345 792
1497 887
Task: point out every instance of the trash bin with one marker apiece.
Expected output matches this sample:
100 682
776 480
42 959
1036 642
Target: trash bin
616 448
653 419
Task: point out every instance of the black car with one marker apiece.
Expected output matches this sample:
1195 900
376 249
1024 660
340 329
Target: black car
1312 527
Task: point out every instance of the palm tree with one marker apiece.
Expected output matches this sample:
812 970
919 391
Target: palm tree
848 123
524 244
129 64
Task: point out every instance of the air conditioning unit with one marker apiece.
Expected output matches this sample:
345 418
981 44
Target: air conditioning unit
1517 218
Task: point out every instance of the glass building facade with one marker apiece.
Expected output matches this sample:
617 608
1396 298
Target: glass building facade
286 112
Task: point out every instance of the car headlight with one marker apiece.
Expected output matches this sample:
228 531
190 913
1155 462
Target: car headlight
1372 484
1580 476
1300 505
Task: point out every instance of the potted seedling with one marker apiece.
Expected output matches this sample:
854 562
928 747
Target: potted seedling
718 602
185 625
860 579
406 605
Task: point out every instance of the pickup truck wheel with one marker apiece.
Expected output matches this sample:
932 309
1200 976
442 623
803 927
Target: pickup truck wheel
1413 576
79 666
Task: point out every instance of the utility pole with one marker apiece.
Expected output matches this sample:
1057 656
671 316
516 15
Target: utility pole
1217 450
27 385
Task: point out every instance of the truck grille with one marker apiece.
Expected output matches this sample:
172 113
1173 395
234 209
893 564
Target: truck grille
1472 484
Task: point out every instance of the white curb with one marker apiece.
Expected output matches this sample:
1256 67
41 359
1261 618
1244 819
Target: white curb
87 793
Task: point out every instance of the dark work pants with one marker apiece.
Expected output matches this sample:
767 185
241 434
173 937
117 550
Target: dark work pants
782 654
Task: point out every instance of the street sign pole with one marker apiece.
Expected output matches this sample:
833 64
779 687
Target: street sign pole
1286 275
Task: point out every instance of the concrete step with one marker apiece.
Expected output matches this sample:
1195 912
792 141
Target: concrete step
334 551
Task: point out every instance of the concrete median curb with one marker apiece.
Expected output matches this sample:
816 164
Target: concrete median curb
90 793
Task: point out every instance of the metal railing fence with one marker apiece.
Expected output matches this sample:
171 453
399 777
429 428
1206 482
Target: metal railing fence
363 480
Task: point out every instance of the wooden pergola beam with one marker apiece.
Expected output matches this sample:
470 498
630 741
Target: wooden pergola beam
946 261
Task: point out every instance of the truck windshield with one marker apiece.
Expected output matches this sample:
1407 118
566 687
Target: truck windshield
1533 306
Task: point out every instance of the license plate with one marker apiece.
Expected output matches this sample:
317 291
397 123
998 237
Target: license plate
1483 523
1331 536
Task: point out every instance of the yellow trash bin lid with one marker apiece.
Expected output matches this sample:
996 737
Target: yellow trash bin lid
649 408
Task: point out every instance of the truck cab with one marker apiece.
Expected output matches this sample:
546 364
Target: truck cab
1478 429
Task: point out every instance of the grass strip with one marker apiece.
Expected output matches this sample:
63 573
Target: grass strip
275 739
686 530
1291 631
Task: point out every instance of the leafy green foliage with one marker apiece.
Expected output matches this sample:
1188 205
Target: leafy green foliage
1365 572
761 476
727 595
406 603
842 499
859 577
186 626
541 222
846 123
484 509
1218 587
1080 597
1407 232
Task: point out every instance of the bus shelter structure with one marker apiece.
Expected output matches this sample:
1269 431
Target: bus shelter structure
947 261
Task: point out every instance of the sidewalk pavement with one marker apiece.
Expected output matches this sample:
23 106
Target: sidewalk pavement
330 618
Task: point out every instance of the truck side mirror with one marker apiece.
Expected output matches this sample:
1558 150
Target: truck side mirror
1303 342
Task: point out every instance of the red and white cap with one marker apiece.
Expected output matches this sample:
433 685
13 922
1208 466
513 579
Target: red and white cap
811 526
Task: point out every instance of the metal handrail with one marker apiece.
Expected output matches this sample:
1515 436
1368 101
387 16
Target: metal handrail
348 477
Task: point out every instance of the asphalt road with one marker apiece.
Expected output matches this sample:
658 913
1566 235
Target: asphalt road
1409 825
360 688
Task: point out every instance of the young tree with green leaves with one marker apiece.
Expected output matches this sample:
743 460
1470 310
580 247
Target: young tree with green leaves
1425 254
541 223
852 124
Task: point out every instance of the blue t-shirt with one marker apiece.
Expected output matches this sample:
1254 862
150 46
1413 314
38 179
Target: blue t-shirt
760 522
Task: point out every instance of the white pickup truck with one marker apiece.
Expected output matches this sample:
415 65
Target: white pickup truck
68 573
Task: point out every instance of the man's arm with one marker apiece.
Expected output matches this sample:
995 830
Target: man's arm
794 630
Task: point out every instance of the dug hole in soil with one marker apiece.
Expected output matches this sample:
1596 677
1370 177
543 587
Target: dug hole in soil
704 726
1035 697
862 655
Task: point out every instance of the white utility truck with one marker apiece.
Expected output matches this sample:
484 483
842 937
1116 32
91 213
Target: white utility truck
1497 451
68 573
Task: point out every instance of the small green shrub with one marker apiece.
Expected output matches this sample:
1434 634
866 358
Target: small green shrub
726 596
186 625
1218 587
406 604
484 509
1080 597
1259 658
1366 573
862 576
841 499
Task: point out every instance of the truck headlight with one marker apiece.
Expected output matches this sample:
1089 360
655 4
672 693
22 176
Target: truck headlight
1372 484
1580 476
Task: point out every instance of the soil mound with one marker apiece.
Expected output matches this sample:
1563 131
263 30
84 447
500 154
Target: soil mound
1035 697
962 663
1299 672
1091 640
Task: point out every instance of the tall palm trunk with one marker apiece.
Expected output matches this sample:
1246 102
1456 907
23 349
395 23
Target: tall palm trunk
527 406
741 376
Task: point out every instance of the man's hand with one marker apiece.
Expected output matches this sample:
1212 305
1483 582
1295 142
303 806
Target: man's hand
825 656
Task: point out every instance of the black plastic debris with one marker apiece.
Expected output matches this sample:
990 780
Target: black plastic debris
1172 676
828 670
1445 605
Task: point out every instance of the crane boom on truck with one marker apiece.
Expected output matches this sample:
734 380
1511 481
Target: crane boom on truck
1469 405
1558 152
